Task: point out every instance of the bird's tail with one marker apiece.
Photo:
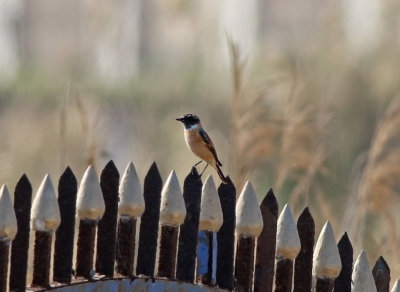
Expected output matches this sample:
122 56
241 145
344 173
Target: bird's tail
221 175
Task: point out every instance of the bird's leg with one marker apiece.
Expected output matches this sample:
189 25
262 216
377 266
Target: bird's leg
203 170
198 163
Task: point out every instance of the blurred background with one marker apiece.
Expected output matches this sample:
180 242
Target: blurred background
300 96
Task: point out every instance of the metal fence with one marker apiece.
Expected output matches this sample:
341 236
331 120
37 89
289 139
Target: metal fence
199 236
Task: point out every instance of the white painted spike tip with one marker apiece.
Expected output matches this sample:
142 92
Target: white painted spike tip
172 210
362 279
90 202
287 239
45 214
396 287
326 261
131 200
249 221
8 221
211 217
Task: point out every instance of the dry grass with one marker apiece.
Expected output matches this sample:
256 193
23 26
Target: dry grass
92 141
254 133
304 148
293 140
63 128
375 192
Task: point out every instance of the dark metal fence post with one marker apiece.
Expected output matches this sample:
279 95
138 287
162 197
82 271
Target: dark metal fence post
41 259
126 246
186 259
226 236
85 251
381 273
20 245
326 263
172 215
64 243
284 275
131 206
265 258
304 260
168 248
210 222
8 230
4 251
149 223
287 248
245 263
343 281
107 226
90 207
249 224
45 219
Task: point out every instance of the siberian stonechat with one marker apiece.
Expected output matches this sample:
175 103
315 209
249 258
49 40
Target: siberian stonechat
200 143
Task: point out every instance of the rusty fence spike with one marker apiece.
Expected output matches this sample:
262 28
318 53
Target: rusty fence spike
226 236
304 260
149 223
343 281
107 226
186 258
64 242
381 273
20 245
265 258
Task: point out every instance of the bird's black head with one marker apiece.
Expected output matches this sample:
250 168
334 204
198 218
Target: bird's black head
189 120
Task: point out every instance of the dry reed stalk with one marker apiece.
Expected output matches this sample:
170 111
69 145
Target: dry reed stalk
375 192
63 127
304 148
254 135
93 144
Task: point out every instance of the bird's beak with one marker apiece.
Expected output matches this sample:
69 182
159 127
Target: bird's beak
180 119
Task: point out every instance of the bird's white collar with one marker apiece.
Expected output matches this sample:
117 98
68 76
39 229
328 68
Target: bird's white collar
193 127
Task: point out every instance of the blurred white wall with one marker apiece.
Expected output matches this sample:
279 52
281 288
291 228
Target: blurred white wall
114 41
363 23
10 11
239 19
112 37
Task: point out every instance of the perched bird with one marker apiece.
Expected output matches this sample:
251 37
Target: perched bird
200 143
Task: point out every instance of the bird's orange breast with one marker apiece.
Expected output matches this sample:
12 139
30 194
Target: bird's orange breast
198 147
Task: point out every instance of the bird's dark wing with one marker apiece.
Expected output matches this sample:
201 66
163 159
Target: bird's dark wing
207 140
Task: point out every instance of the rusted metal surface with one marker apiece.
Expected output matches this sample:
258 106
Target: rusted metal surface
283 278
245 263
4 251
85 253
265 257
41 259
324 285
107 229
126 246
186 261
20 244
168 246
64 242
